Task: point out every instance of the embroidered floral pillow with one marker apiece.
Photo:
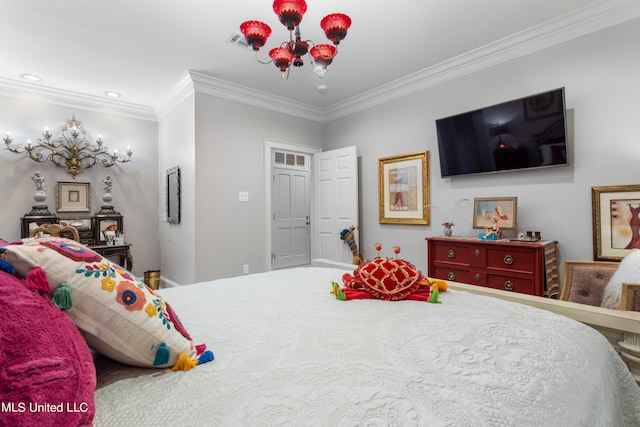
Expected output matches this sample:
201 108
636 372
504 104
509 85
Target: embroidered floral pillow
118 315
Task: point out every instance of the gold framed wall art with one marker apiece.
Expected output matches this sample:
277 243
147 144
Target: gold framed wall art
403 185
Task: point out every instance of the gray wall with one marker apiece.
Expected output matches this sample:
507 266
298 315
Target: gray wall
135 184
229 159
177 148
600 73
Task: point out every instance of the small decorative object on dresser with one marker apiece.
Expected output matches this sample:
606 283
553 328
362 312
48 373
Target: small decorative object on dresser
448 228
525 267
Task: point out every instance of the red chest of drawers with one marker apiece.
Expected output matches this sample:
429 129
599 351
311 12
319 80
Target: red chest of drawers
508 265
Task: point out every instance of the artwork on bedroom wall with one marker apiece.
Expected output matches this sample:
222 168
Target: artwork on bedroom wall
616 221
403 185
492 210
74 197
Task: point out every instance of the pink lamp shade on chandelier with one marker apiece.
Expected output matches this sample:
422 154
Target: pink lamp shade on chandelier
290 12
335 26
323 54
281 58
256 33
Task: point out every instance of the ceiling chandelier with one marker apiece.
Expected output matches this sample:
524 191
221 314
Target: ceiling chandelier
290 52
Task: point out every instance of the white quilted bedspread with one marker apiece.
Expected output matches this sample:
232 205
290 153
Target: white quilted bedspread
289 354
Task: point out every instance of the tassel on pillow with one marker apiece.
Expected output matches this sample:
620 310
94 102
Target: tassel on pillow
184 363
5 266
200 348
37 279
162 355
205 357
62 297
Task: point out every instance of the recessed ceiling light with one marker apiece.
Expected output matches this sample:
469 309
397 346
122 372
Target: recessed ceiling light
30 77
112 94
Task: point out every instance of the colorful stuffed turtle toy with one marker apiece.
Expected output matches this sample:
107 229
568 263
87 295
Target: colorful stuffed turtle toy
389 279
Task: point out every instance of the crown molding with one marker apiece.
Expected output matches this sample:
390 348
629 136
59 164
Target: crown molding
579 23
181 91
208 85
36 92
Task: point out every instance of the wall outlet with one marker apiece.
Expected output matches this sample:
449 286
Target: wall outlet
245 269
243 196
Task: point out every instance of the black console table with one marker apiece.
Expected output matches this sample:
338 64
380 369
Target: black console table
123 252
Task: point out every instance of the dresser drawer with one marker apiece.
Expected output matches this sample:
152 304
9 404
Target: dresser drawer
509 259
454 274
513 284
456 254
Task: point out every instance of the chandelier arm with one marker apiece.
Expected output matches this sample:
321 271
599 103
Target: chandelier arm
35 153
263 62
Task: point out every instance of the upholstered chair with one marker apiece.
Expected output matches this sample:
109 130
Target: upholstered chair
585 283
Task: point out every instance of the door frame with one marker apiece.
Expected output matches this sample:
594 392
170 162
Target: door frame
269 145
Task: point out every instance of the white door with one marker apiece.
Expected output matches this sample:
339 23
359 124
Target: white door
335 193
290 225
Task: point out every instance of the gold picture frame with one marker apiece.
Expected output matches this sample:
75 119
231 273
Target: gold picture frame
616 221
74 197
403 185
489 210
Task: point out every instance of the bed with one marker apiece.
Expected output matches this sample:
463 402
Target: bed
287 352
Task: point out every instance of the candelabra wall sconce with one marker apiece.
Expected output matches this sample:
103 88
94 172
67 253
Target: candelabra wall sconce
71 150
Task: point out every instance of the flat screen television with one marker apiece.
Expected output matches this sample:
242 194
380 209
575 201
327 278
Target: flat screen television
524 133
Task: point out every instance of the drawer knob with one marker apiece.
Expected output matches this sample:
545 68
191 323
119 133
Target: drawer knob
477 277
477 253
508 285
451 253
451 276
508 260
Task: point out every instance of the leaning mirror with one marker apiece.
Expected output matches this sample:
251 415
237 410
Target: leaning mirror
173 195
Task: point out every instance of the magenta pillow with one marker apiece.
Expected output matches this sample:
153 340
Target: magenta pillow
3 242
43 360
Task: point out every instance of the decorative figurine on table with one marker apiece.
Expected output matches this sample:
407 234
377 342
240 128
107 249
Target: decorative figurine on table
493 233
39 196
448 230
107 197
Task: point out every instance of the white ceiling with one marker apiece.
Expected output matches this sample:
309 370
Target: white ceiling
144 48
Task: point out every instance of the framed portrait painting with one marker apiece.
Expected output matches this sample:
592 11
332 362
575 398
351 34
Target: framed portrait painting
616 221
492 210
403 185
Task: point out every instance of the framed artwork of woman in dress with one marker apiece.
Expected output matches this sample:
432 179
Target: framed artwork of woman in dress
616 221
403 184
